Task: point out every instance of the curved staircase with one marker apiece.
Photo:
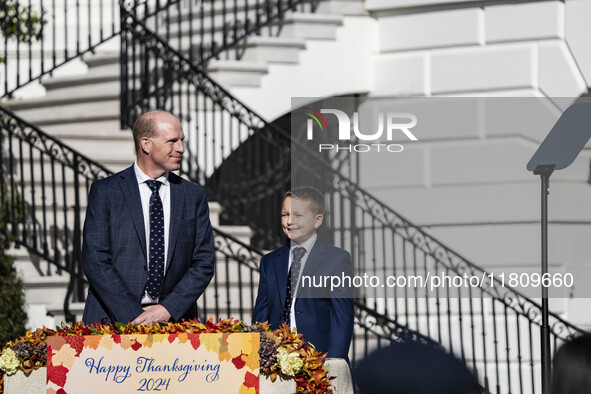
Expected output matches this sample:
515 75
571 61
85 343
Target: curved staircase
495 333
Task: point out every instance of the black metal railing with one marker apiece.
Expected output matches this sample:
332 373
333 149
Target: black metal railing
234 288
44 188
207 29
232 291
495 330
39 36
61 31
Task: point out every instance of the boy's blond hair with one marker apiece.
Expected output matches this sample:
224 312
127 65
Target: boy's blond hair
310 194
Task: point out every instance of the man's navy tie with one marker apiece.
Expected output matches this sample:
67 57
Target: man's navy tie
292 280
156 251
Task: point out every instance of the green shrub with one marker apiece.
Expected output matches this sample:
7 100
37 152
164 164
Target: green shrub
12 299
21 22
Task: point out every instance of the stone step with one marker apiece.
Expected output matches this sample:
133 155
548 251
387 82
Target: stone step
273 49
113 158
43 289
96 83
208 29
119 150
246 10
83 89
106 129
103 150
94 76
230 73
311 26
293 30
56 311
97 78
341 7
96 61
185 12
100 140
86 90
57 113
101 81
31 266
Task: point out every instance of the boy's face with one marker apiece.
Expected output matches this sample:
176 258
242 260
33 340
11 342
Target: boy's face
298 221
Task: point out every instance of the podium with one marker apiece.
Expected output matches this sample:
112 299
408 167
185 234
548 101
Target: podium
183 362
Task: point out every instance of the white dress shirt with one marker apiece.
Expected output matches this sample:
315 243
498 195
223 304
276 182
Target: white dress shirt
145 193
308 245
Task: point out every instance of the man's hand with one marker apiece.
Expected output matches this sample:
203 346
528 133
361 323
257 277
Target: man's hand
152 313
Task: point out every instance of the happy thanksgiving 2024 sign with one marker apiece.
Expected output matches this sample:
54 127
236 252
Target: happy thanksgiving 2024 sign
204 363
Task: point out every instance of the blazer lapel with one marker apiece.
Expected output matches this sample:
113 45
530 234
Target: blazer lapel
177 202
131 193
313 263
281 265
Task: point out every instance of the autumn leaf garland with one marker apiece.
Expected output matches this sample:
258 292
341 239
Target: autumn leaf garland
281 352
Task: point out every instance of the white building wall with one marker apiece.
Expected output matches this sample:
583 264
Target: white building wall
472 190
468 187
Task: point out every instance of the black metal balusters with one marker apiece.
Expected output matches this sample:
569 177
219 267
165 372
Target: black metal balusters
45 186
50 36
246 164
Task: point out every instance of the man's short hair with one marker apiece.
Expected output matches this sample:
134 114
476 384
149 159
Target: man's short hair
310 194
145 126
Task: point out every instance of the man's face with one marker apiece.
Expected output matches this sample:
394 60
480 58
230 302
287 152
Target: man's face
298 221
166 147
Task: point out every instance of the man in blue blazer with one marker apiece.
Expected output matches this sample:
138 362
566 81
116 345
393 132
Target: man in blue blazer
324 316
148 245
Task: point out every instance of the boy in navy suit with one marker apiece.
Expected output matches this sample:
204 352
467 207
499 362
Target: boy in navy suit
286 291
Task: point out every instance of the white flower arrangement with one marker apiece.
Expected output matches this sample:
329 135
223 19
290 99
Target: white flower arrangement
290 363
9 363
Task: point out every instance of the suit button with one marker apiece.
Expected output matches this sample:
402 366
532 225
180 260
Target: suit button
145 268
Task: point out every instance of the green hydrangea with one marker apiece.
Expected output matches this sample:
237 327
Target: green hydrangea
9 363
290 363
